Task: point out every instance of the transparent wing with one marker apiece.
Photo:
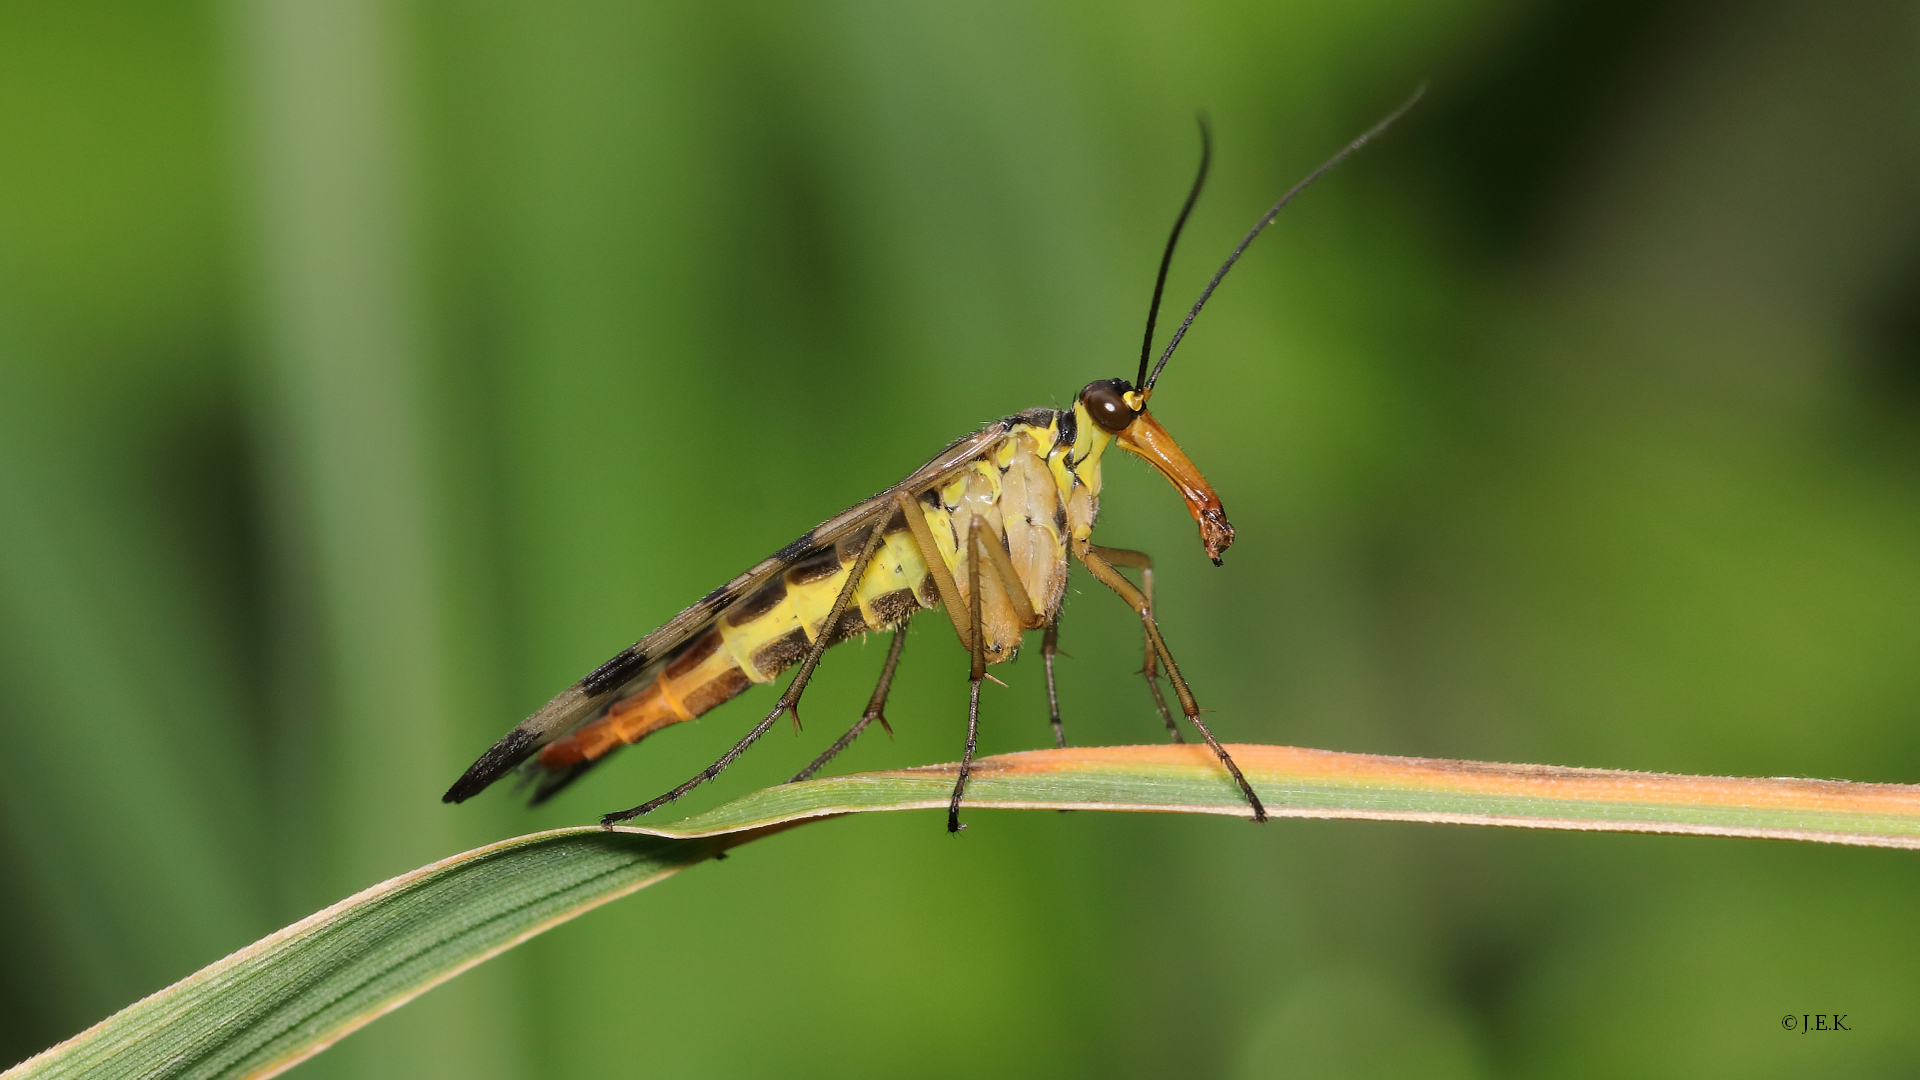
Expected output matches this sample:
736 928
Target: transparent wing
630 668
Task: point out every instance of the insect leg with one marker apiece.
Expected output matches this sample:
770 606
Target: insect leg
966 620
875 705
1091 558
1048 647
1143 562
788 699
937 566
978 672
1016 591
1010 584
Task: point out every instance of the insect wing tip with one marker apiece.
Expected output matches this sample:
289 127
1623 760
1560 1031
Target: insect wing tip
499 760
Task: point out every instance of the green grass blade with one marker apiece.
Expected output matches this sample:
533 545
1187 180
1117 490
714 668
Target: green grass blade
1295 782
292 994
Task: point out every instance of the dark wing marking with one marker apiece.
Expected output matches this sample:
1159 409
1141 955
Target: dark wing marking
630 668
625 664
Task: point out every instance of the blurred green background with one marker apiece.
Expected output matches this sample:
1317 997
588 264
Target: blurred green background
369 371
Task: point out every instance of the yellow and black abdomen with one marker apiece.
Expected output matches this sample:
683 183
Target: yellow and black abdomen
762 635
1011 489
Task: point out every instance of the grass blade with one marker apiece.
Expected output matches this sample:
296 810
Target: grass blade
294 993
1296 782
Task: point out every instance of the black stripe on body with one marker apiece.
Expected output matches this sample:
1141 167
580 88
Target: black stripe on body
930 591
782 652
817 567
693 654
1069 428
894 607
758 604
852 624
846 550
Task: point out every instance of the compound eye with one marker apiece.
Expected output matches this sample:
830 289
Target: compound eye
1106 405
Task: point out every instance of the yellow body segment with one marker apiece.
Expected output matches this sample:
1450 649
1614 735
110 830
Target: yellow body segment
1033 493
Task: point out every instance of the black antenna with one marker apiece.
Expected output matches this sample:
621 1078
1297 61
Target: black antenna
1266 219
1166 257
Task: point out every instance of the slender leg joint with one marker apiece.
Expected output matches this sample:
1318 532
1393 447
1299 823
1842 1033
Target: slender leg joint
875 709
1093 558
979 671
1049 648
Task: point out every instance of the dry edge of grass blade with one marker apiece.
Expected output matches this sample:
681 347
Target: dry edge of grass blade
294 993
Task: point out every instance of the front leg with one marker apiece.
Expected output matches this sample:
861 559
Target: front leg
1149 667
1099 567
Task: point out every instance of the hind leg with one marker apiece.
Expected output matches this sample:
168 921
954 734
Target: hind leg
789 700
875 709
